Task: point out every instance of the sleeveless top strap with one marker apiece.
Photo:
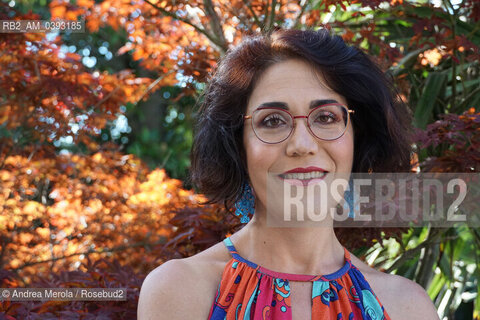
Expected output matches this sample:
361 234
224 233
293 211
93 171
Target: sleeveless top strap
347 255
228 243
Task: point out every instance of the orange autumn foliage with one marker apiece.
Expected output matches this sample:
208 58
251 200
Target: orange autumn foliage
60 211
48 92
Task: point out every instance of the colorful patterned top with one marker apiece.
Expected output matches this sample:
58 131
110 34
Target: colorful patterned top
249 291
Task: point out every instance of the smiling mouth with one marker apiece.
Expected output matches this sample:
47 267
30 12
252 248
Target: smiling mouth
304 176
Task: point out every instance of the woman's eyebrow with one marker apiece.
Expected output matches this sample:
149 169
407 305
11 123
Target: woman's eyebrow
283 105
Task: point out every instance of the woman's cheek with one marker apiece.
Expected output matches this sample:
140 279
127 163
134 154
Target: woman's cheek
259 161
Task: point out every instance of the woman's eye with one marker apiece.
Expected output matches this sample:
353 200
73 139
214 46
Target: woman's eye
325 118
273 121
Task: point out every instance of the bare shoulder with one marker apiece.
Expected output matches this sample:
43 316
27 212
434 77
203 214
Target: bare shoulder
405 297
164 288
401 297
182 288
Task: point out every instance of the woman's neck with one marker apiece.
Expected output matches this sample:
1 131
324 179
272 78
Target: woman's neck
298 250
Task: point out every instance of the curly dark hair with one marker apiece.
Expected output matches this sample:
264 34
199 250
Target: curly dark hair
381 123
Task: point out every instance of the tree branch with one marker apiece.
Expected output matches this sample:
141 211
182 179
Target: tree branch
267 6
174 16
153 85
270 19
302 11
453 18
7 154
105 250
216 25
99 103
37 70
409 254
465 100
272 15
255 17
475 29
4 242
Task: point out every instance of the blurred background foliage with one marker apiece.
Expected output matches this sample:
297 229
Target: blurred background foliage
96 129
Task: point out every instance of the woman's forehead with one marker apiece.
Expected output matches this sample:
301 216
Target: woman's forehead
294 82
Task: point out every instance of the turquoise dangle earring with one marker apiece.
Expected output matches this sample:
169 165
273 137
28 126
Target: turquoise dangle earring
351 199
348 196
246 205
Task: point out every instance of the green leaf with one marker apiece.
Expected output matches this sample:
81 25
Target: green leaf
420 11
434 88
436 285
404 23
459 86
476 311
445 266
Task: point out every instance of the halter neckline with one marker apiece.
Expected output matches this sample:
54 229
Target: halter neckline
291 276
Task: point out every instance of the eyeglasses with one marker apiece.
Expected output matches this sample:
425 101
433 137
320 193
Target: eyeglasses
326 122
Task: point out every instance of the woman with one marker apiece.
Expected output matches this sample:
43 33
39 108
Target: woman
264 118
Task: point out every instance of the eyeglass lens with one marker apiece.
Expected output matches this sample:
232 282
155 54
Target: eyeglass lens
273 125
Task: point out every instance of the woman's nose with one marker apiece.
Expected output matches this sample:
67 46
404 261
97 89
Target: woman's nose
301 140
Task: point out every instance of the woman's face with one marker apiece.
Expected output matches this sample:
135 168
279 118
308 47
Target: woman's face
293 84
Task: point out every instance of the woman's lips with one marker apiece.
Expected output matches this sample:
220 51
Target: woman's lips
303 178
305 170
